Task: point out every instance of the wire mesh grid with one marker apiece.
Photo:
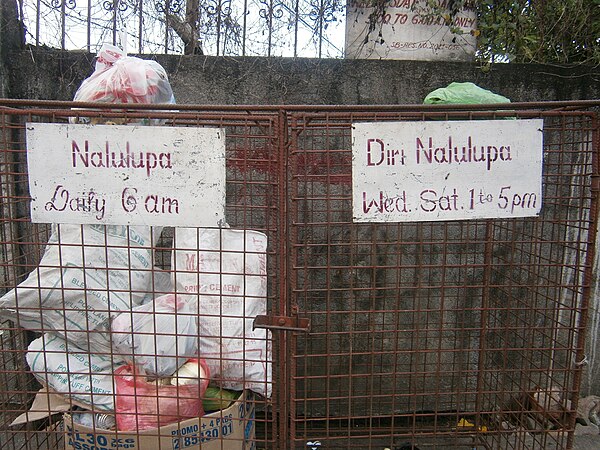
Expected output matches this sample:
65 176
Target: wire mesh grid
455 334
97 324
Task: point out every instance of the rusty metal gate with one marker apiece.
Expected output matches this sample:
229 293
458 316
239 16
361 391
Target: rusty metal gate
456 334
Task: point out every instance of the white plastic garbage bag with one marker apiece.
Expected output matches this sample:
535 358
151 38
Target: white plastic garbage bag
90 272
157 337
87 273
70 371
225 271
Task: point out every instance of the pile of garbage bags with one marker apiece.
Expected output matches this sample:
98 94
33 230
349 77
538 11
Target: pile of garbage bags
120 336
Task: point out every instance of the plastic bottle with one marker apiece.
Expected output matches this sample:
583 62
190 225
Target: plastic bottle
98 420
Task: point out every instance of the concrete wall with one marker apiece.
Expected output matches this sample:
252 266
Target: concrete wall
11 40
56 75
40 73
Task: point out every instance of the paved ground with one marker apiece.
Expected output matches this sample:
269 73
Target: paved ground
587 443
42 441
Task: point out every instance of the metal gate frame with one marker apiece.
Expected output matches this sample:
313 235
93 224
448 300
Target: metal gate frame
277 156
507 378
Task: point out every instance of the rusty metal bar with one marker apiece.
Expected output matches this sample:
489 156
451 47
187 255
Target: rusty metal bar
283 323
530 109
283 408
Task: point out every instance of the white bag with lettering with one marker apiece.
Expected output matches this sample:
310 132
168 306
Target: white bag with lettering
225 270
87 273
82 376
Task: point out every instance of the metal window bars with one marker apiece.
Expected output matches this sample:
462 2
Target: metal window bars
313 28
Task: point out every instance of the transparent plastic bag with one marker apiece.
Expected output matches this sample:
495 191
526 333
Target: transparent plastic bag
159 336
119 78
122 79
143 405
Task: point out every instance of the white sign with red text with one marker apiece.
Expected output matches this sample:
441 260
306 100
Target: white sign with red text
407 30
451 170
126 175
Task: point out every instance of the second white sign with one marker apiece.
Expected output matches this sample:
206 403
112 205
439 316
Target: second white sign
451 170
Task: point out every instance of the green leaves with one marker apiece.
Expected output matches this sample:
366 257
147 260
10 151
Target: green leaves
548 31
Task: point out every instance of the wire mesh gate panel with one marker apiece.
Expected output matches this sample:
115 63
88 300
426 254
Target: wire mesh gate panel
82 273
456 334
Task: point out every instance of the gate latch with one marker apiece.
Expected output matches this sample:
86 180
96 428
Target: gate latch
281 323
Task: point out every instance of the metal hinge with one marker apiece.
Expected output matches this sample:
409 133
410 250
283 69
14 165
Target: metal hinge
282 323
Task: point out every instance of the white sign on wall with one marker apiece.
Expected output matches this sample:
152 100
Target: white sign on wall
406 31
126 175
447 170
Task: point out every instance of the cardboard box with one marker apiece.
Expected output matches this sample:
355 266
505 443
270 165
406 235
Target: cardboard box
45 404
229 429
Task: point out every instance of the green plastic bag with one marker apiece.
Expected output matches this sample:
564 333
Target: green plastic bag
463 93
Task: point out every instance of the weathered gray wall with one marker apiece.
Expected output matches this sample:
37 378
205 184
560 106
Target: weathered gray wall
11 40
56 75
34 73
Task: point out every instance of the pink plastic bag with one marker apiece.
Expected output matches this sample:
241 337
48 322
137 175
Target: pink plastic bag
123 79
119 78
141 405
